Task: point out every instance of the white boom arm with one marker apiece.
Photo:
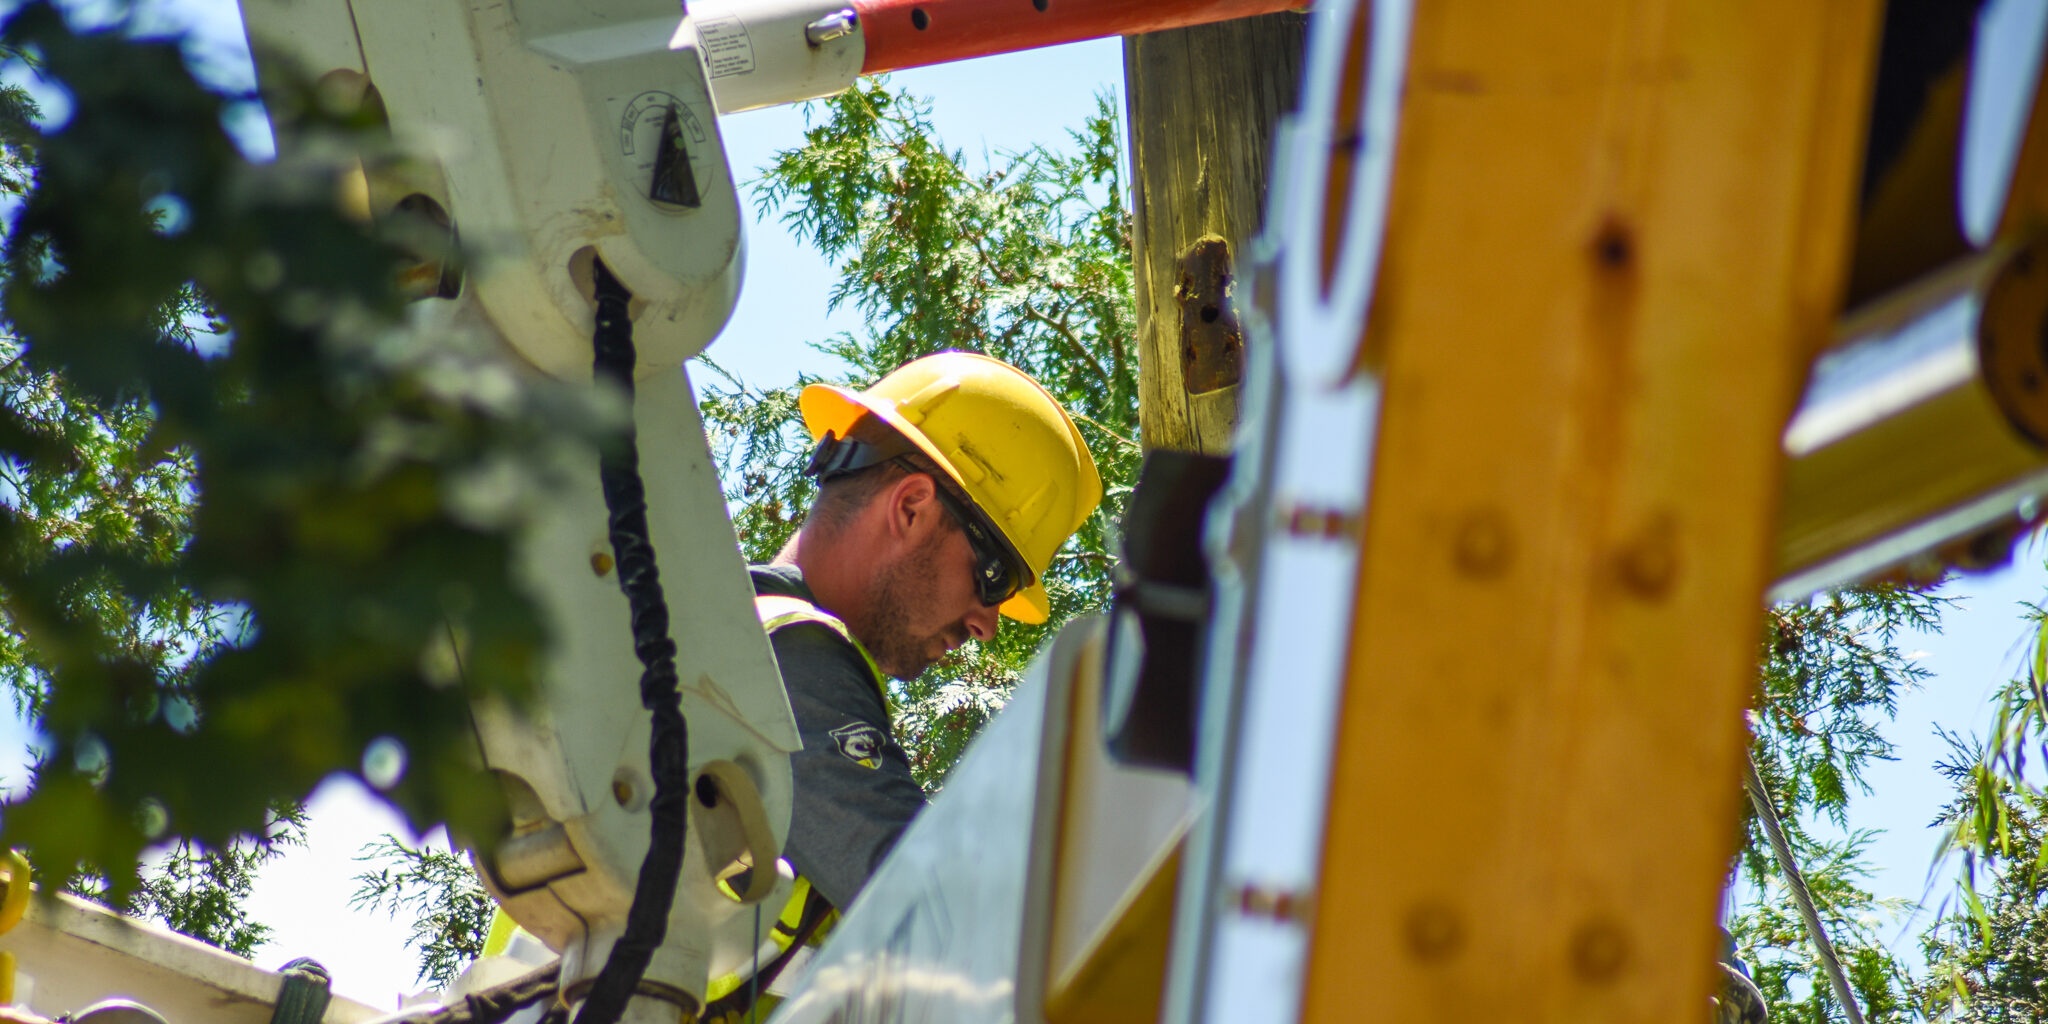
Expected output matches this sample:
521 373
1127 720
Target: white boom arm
567 133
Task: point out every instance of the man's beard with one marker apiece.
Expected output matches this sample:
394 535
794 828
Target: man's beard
886 630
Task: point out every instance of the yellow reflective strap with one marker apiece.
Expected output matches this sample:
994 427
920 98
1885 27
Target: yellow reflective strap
759 1012
726 890
779 610
14 903
500 934
793 911
723 985
771 608
793 916
783 934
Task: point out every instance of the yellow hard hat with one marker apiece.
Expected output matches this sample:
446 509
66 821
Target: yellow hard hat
1003 439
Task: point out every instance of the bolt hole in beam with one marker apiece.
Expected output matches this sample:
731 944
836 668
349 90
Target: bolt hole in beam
1040 5
1613 246
920 20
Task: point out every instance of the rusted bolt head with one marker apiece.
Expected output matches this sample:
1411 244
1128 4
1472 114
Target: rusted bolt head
1482 545
1599 951
1434 931
600 563
1648 566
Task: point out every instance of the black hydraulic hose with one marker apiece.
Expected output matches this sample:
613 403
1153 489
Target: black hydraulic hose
668 753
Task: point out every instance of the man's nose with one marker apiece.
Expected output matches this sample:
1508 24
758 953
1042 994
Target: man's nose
982 622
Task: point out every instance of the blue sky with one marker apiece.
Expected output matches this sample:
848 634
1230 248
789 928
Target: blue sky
994 105
1983 643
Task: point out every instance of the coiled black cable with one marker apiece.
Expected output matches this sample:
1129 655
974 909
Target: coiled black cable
668 753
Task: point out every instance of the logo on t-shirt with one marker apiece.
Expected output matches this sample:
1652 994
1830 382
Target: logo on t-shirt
860 742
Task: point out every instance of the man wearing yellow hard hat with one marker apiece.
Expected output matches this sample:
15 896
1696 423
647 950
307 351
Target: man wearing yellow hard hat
943 492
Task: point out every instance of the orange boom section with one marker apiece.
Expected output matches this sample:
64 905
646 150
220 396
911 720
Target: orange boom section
914 33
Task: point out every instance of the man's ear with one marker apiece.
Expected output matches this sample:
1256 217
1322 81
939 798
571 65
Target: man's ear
912 504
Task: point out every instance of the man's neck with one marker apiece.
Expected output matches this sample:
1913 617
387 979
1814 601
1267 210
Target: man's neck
825 573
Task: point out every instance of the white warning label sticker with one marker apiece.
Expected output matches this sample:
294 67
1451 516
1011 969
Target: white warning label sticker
727 50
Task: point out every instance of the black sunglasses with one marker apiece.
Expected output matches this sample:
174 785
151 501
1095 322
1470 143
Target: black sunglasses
998 573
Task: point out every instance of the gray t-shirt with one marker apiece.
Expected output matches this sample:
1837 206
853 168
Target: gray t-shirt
854 791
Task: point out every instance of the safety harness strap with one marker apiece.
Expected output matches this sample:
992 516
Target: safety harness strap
731 996
807 916
780 610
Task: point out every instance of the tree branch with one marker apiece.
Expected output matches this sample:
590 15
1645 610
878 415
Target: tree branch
988 262
1098 424
1073 343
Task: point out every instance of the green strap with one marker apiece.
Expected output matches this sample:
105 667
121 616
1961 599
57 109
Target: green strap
302 993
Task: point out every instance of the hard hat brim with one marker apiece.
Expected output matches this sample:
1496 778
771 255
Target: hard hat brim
831 408
1030 605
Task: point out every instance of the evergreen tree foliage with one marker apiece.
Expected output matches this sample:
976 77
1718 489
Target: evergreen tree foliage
1027 261
111 496
1988 961
202 892
1831 671
1988 958
451 913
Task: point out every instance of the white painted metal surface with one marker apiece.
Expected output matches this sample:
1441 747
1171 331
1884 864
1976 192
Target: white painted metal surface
759 53
585 758
1116 822
577 769
952 926
75 954
1321 314
546 119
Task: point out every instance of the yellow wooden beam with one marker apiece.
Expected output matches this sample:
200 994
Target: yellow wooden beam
1121 830
1617 236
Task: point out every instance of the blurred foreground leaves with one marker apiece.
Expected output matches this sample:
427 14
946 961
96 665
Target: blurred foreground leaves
240 532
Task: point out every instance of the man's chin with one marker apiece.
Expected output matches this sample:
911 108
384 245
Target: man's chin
907 668
909 672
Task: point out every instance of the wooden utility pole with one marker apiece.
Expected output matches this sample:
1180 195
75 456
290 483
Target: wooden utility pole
1202 103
